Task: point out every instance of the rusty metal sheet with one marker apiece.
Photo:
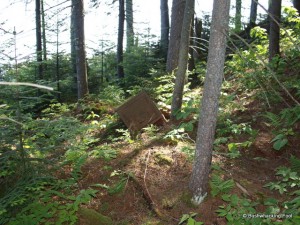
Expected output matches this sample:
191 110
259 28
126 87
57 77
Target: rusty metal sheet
139 111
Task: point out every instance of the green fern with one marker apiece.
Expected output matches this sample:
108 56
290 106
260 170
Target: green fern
274 119
218 185
76 172
295 164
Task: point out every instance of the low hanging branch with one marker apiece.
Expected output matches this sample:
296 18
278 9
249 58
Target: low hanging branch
26 84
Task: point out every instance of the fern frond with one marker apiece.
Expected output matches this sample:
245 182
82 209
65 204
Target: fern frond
295 164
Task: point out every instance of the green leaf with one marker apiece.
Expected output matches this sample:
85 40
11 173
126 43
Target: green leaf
271 201
221 212
184 218
280 144
191 221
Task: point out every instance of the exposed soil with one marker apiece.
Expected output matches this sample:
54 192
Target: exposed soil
157 176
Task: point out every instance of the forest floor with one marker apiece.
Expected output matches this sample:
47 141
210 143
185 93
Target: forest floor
150 176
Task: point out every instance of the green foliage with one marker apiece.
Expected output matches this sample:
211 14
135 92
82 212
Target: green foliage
44 209
295 164
105 152
237 209
288 179
176 135
188 219
233 150
279 141
189 151
218 185
113 95
125 135
164 90
286 117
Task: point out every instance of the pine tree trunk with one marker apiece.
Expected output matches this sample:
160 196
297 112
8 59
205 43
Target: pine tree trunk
38 39
129 23
191 60
183 57
175 34
164 27
120 69
253 13
238 15
44 31
274 36
197 40
209 104
81 68
72 35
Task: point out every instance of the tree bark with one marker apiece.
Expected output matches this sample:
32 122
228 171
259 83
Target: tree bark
73 50
120 68
44 31
164 27
238 15
296 4
191 59
175 34
129 23
81 68
183 57
197 40
253 13
39 54
274 36
209 104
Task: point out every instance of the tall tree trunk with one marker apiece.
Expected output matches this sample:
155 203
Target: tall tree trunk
209 104
238 15
120 69
164 27
81 68
197 40
73 50
183 57
175 34
129 23
44 30
38 39
191 60
253 13
274 36
296 4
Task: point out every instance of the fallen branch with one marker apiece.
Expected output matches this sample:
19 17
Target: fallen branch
26 84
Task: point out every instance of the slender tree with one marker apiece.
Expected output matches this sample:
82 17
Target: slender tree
129 24
191 60
81 68
183 57
253 13
197 38
238 15
175 34
73 48
274 36
209 104
44 31
120 69
38 39
164 27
